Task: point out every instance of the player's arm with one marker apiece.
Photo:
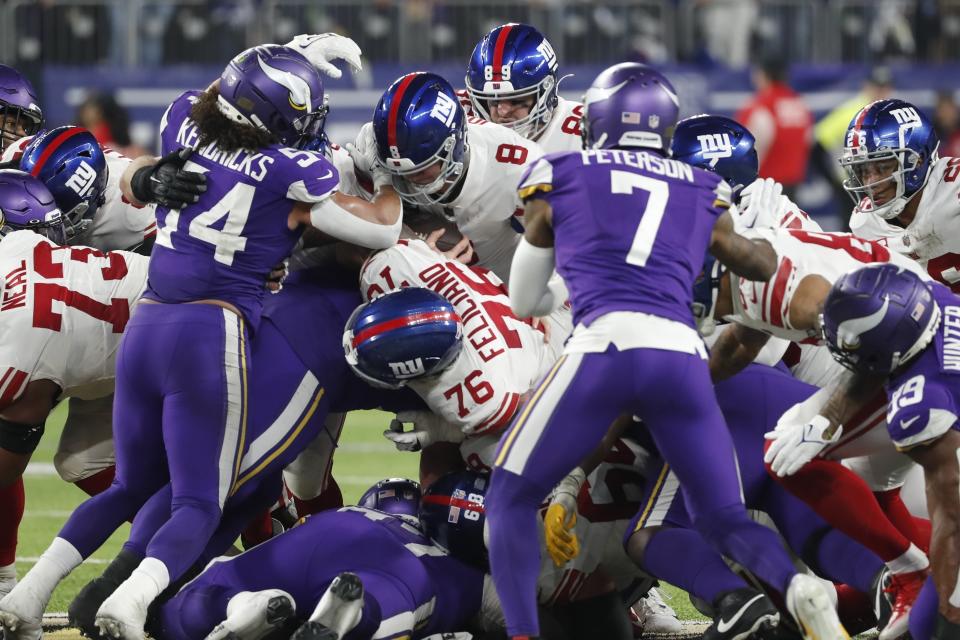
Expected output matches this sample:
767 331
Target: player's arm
750 259
21 427
162 180
374 224
941 466
532 292
736 347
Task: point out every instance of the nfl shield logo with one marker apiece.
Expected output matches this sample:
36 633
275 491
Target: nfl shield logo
653 121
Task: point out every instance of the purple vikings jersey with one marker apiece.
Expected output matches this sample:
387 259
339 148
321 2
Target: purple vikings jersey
631 228
223 246
924 397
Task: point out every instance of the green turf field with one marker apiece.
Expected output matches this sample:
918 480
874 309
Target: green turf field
363 458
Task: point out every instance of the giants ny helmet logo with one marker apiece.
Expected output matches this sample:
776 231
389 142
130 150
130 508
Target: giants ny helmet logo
407 368
444 109
82 179
715 146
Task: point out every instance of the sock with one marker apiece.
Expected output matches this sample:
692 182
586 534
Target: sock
892 505
11 506
845 501
57 561
911 560
840 558
98 482
855 609
924 530
330 498
683 558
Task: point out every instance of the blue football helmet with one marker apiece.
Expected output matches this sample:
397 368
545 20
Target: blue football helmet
890 145
26 204
405 334
514 62
717 144
72 165
398 496
629 106
418 124
878 318
277 90
20 113
453 514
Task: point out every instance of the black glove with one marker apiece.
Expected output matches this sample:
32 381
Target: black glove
167 184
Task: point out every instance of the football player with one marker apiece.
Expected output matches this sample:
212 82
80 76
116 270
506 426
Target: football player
630 279
892 328
448 165
512 80
20 113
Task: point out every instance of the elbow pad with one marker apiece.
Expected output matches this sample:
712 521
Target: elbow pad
20 438
530 272
334 220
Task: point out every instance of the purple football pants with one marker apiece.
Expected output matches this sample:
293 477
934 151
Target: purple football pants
566 419
179 416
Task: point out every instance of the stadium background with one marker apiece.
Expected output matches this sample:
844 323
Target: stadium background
114 65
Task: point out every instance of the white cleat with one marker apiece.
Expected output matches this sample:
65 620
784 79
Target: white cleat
812 608
656 616
252 615
338 611
121 616
21 614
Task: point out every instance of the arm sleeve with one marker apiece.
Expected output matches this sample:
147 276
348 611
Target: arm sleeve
531 293
334 220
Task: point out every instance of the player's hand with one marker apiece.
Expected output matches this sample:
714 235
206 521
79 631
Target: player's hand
363 152
794 444
428 428
461 252
167 184
762 204
320 49
562 542
276 277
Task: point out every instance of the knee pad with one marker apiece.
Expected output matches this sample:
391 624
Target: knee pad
20 438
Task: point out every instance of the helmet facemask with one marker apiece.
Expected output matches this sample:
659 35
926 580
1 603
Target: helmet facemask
17 122
531 125
902 161
452 158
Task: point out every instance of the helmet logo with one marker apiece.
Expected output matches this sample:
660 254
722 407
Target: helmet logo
653 121
407 368
596 94
82 179
714 146
906 117
444 109
548 54
849 331
298 89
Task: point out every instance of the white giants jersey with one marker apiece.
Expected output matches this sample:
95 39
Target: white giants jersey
62 312
487 209
765 305
502 357
933 237
562 132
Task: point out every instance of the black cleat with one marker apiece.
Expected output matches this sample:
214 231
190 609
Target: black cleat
83 609
740 614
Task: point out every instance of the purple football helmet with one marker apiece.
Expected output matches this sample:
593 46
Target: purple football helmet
277 90
398 496
630 105
27 204
877 318
20 113
888 136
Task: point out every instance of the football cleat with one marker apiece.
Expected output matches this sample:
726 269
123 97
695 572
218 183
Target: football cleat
740 614
83 610
653 615
811 606
20 616
338 611
903 590
252 615
122 616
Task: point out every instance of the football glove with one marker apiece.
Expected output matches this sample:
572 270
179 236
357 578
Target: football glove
320 49
166 183
428 428
797 443
562 542
762 204
363 152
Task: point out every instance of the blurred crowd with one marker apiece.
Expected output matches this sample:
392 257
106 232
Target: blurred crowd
726 32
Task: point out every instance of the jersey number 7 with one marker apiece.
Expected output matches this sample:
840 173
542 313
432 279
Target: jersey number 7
626 182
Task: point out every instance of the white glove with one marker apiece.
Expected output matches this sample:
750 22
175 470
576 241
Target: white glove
322 48
458 635
763 205
428 428
363 152
797 443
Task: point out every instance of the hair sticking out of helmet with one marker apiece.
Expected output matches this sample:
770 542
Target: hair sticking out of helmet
453 515
421 138
70 162
403 335
717 144
514 63
878 318
889 149
398 496
20 113
630 106
26 204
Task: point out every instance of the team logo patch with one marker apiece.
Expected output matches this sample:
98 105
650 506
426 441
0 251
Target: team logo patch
82 179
